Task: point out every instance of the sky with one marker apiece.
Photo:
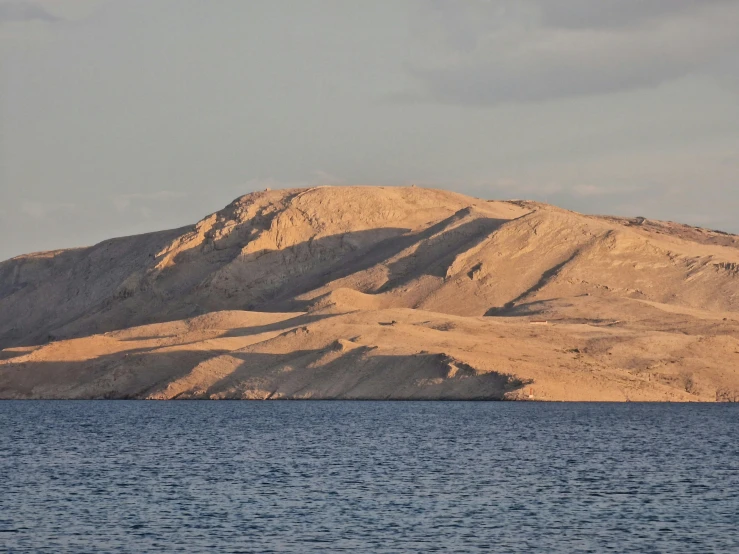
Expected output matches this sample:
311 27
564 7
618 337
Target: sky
120 117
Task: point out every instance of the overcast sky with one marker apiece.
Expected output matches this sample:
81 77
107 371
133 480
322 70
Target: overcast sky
124 116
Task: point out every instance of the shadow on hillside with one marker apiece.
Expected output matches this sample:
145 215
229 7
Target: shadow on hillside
86 278
348 263
435 255
10 354
297 321
146 337
547 277
171 298
353 374
131 374
303 319
277 276
81 262
431 258
183 292
519 310
358 374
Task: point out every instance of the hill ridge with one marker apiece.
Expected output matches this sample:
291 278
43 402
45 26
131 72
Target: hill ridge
329 251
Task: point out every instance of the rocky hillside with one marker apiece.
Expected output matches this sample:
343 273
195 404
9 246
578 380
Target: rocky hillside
630 296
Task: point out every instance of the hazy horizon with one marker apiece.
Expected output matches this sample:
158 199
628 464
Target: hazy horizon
123 117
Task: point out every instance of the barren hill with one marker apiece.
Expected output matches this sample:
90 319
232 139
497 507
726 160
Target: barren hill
379 292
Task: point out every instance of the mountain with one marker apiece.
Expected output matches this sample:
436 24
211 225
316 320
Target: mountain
379 292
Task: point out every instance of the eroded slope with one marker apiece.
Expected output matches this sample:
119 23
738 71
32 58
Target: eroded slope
636 309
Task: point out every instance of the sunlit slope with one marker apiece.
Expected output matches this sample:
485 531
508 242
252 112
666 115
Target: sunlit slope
362 247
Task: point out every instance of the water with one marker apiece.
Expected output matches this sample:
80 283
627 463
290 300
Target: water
120 476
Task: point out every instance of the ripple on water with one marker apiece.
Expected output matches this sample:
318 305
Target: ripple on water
120 476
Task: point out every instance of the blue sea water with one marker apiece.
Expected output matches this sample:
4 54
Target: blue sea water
128 476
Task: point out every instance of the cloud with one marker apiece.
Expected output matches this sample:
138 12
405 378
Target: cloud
574 14
40 210
595 190
513 187
123 202
16 11
545 189
485 53
326 178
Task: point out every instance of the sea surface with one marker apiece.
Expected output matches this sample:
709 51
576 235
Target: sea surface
131 476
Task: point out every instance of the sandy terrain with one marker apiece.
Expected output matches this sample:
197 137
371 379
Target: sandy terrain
379 292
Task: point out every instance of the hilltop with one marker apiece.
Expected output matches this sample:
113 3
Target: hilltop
379 292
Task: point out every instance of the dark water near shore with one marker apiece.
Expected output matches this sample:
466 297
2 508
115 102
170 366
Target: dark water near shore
123 476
